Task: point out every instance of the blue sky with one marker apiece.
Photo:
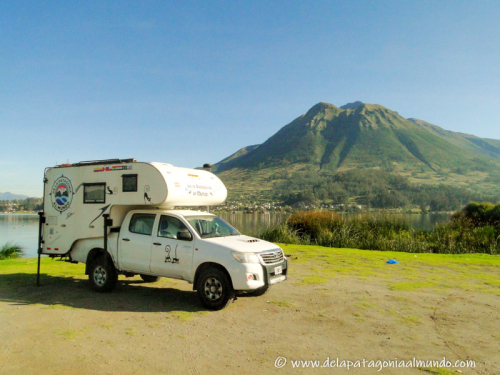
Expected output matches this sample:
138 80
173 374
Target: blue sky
189 82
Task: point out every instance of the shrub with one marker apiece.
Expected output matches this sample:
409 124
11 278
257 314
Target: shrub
479 214
10 250
463 234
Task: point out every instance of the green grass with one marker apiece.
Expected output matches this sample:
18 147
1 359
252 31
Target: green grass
438 371
182 315
313 280
130 331
67 334
318 265
22 271
283 303
415 272
70 334
48 266
410 320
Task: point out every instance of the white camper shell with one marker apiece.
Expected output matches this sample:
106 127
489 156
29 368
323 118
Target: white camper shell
118 217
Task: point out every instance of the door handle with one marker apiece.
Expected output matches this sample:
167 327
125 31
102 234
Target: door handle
156 243
125 239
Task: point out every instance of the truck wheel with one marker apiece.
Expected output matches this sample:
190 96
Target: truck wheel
215 288
149 278
103 276
260 291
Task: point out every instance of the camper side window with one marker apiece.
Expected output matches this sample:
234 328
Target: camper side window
129 182
142 223
94 193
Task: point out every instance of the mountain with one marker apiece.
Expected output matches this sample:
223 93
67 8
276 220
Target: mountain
10 197
368 136
328 140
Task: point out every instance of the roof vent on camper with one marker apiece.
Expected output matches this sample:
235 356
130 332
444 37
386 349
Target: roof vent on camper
207 167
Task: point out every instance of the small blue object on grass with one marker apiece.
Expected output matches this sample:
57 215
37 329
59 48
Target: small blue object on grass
392 261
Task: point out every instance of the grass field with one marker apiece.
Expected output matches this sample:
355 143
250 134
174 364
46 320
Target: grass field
469 272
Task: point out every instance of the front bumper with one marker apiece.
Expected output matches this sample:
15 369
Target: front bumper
270 277
262 275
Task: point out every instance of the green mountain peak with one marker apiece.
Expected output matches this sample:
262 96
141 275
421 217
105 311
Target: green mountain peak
351 105
362 144
365 135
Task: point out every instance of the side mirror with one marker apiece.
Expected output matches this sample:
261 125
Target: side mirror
184 235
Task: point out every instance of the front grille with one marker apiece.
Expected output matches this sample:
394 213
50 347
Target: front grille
272 257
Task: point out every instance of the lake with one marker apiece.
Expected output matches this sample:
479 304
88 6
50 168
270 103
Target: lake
23 229
20 229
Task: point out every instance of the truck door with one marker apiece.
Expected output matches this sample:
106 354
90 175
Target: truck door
134 248
171 256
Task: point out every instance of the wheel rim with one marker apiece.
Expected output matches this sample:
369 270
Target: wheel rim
213 289
100 275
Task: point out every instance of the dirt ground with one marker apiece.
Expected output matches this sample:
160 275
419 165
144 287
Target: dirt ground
162 328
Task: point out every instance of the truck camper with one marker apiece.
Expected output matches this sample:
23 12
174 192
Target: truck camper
118 217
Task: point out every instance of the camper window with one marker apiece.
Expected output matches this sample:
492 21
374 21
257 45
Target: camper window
94 193
129 183
142 223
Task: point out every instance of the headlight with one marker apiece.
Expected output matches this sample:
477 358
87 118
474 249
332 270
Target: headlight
245 257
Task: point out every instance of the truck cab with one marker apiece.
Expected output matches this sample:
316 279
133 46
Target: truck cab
185 244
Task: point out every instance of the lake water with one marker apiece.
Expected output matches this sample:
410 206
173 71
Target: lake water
23 229
20 229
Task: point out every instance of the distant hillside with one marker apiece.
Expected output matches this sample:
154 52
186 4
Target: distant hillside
328 140
10 196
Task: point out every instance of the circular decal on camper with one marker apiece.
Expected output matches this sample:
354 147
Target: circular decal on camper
62 194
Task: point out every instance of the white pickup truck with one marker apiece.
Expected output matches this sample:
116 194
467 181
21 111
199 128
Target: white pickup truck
117 218
195 246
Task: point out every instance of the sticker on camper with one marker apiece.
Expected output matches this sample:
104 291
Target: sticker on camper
114 168
62 194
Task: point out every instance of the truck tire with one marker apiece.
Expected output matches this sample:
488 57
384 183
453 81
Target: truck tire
260 291
149 278
102 275
215 289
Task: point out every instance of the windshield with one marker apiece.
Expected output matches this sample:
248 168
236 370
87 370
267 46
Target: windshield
211 226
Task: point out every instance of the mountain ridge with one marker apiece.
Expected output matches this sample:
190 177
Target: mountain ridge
8 196
331 137
351 105
328 140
